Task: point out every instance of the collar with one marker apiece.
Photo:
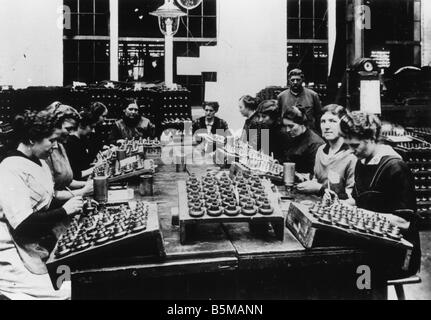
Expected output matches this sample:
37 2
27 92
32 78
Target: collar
17 153
208 123
344 147
382 151
296 94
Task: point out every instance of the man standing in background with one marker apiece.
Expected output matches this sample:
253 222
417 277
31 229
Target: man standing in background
303 98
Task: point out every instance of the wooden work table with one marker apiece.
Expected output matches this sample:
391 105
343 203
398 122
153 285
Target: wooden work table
227 261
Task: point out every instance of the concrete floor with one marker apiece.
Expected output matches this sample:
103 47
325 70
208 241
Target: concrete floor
421 291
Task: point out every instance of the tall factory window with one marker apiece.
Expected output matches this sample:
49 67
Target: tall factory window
86 42
395 29
307 40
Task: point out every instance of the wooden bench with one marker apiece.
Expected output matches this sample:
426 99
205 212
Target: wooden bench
399 285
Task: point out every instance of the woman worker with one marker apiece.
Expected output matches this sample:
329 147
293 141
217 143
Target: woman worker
66 120
26 192
270 129
77 147
335 163
383 181
302 144
248 108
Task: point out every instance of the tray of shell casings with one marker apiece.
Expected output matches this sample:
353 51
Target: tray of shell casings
102 226
310 224
220 196
355 220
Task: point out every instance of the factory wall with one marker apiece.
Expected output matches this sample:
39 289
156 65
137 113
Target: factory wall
247 57
31 50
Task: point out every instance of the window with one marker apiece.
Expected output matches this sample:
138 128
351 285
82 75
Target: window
86 43
307 40
142 43
396 27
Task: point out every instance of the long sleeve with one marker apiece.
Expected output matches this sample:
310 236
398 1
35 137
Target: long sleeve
402 187
350 175
310 157
39 223
115 134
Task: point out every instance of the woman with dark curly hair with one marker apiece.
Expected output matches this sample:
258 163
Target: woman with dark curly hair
303 142
383 181
335 162
26 218
77 146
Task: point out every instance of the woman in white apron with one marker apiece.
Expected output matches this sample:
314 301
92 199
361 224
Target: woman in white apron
26 191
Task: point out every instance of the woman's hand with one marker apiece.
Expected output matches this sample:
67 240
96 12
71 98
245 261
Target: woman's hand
73 206
330 196
311 187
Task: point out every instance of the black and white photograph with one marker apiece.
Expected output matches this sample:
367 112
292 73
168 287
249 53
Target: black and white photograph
215 155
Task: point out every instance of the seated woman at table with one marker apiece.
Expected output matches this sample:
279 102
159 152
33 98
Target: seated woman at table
269 126
383 181
250 132
209 123
335 162
26 218
66 119
77 146
302 144
98 111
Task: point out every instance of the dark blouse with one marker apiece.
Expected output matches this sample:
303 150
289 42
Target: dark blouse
393 192
251 131
219 125
79 155
302 151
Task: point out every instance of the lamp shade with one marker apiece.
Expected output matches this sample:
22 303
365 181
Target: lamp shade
169 15
169 26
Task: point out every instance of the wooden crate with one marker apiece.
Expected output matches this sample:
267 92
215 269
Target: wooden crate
311 233
147 244
188 223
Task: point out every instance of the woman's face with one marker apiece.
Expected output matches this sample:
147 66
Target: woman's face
265 120
292 129
244 111
209 112
330 125
41 149
132 111
362 149
102 118
87 130
68 126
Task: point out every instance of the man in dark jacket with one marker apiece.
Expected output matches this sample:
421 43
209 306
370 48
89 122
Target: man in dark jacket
303 98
